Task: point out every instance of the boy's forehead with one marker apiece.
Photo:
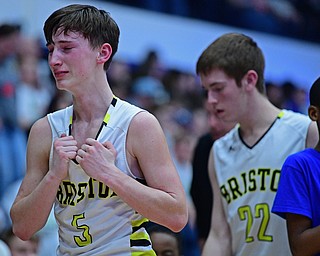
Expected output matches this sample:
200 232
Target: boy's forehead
62 33
214 74
66 36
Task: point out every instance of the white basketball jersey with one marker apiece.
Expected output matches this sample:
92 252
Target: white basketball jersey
248 180
92 219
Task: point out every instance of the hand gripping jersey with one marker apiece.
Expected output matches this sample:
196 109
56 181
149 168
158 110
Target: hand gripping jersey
92 219
248 180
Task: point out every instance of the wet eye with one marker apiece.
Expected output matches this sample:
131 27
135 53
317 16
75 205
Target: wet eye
218 88
66 49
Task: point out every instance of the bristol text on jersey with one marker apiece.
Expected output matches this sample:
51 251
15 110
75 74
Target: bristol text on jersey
70 193
250 181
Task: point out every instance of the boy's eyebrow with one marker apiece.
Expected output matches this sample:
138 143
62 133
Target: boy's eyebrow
216 83
60 41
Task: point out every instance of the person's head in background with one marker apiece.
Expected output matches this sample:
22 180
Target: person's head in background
20 247
61 99
164 241
9 39
217 127
314 107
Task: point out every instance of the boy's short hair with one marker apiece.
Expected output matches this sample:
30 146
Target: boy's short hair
235 54
157 228
95 25
314 94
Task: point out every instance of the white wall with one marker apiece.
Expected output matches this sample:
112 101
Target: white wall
179 41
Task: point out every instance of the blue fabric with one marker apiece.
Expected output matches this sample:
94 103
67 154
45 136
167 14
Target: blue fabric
190 245
299 186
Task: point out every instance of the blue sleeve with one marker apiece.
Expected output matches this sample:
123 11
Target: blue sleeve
292 195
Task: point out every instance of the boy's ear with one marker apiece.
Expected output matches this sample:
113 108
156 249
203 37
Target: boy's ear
104 53
250 79
313 113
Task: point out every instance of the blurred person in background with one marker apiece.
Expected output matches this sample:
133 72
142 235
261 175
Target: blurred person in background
120 77
201 191
19 247
275 94
164 241
48 235
183 146
33 96
296 98
12 137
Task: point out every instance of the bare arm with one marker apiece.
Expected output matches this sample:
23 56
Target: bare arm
303 239
37 193
218 242
312 136
163 200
